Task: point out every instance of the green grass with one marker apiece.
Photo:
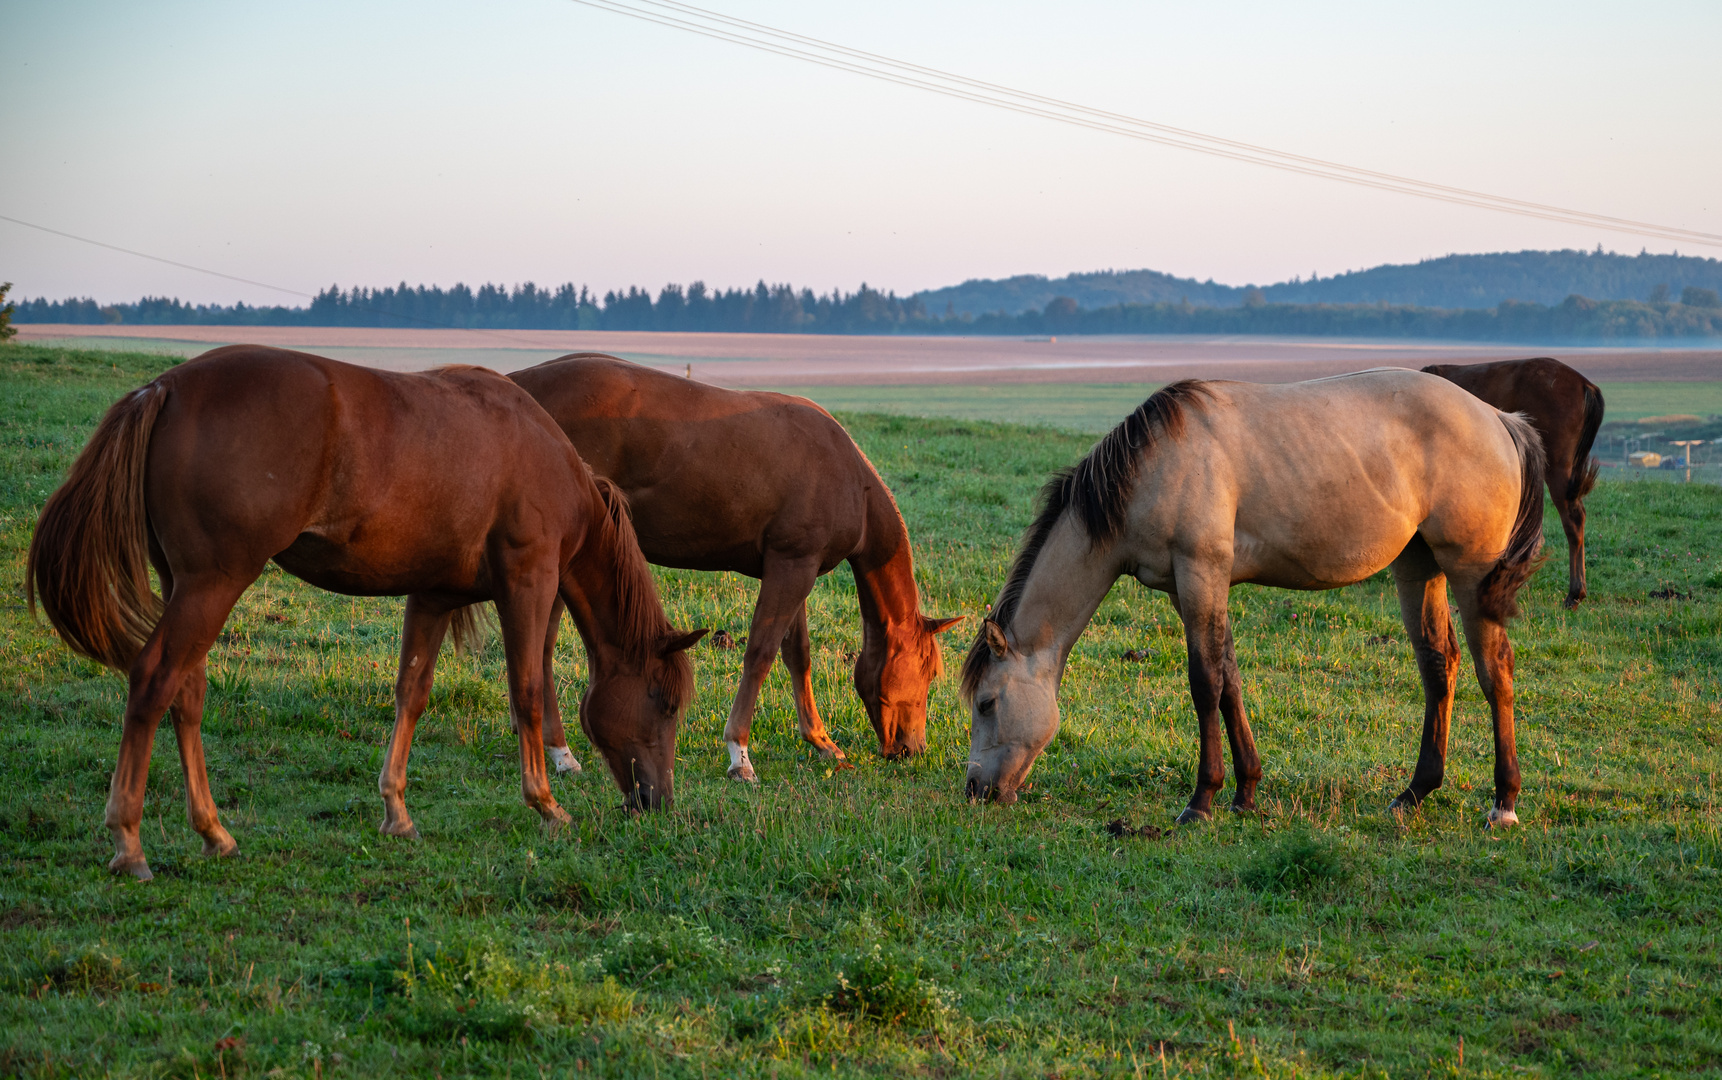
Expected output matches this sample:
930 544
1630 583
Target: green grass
869 922
1095 407
1632 400
1085 407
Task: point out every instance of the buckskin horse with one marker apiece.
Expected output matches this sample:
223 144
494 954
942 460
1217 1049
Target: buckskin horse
449 487
769 486
1566 409
1309 485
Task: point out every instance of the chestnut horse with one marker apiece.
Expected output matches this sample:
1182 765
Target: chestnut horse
1309 485
772 487
449 487
1566 409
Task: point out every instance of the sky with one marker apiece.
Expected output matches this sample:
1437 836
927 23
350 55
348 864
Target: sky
435 141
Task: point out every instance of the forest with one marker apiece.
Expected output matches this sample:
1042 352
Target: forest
1694 312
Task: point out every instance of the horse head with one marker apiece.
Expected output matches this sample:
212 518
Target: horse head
892 677
1013 704
631 712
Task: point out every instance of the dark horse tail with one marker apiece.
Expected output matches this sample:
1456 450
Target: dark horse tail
89 559
1497 594
1585 467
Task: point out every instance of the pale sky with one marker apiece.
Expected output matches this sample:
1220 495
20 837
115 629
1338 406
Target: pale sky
358 142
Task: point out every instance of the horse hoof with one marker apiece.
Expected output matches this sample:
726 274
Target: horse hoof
1403 805
743 772
563 759
554 822
408 831
1244 808
1191 816
137 867
219 846
1499 818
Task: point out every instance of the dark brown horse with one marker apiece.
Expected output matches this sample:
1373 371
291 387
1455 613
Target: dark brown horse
769 486
447 487
1566 409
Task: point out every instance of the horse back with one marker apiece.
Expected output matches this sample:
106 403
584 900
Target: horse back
1322 483
714 477
358 480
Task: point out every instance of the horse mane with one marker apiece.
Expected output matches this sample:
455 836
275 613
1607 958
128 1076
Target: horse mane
1097 490
642 624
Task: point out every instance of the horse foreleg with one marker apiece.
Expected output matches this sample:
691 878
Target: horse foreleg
1205 636
783 588
176 649
1492 653
798 661
187 713
524 613
1423 610
422 632
555 735
1246 760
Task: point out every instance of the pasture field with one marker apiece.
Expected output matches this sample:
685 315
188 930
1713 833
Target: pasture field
868 921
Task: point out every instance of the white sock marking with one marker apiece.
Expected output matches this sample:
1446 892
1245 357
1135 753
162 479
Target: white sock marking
738 756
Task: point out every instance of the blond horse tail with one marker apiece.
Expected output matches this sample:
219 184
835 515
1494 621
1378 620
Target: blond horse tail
1497 594
88 565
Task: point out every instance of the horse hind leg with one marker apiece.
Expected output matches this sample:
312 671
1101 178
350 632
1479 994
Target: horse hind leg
187 713
200 808
174 652
1571 512
1492 652
798 661
1423 609
422 631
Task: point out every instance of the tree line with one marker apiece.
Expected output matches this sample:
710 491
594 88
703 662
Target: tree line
762 309
783 309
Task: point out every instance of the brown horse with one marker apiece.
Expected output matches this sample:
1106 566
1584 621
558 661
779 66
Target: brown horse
1566 409
449 487
772 487
1308 485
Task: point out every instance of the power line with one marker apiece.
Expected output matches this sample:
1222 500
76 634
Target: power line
677 15
276 288
157 258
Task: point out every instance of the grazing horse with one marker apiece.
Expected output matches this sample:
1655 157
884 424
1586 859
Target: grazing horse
772 487
1310 485
1566 409
449 487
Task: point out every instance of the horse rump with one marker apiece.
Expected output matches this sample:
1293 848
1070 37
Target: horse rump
88 564
1584 467
1497 594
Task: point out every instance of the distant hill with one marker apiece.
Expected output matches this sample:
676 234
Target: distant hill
1452 281
1103 288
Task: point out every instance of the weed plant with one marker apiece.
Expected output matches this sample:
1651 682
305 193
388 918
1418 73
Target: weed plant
869 921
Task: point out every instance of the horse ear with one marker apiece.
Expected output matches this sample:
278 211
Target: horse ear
939 626
996 640
675 643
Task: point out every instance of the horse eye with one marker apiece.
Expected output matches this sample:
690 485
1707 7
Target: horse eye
987 706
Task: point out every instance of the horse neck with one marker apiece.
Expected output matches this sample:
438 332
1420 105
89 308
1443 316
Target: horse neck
885 569
1064 588
611 596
